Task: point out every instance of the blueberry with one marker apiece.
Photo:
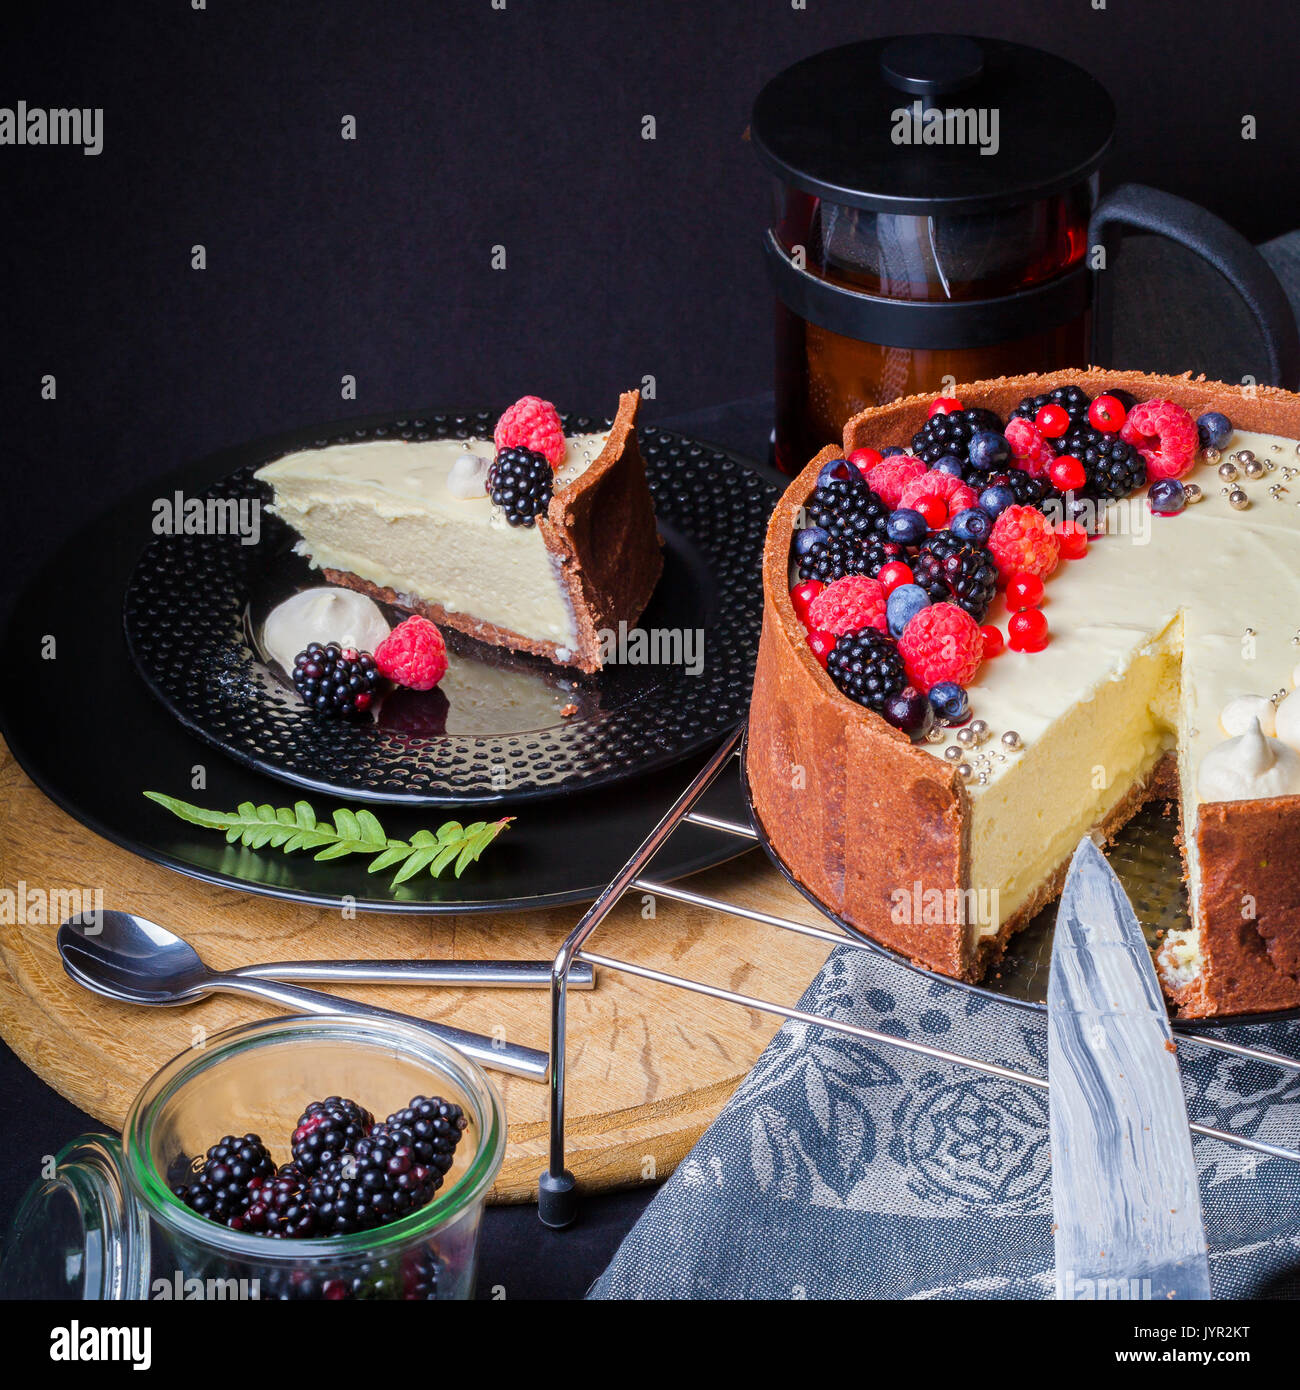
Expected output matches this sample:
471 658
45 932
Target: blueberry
1214 429
996 499
1126 398
1167 496
988 450
949 701
809 537
910 711
893 449
902 605
949 463
907 527
836 471
974 524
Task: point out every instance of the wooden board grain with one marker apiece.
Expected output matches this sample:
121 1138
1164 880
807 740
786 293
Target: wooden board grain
649 1065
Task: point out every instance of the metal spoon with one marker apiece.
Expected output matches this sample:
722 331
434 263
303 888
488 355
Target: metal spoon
132 959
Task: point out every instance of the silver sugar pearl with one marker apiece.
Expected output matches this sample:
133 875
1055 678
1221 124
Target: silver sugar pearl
952 753
1244 455
965 771
1253 468
983 779
1238 500
980 729
1012 740
1192 493
966 737
1228 471
937 734
1212 456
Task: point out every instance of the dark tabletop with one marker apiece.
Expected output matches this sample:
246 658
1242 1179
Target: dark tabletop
1174 316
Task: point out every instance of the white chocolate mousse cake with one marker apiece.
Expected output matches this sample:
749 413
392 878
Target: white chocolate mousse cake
925 754
570 550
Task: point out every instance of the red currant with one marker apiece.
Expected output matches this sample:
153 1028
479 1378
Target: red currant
864 460
895 573
1027 631
1074 540
1024 590
933 509
802 595
1052 421
1107 414
992 641
944 405
1067 474
822 645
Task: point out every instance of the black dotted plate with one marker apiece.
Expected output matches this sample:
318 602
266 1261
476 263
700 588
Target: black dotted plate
194 606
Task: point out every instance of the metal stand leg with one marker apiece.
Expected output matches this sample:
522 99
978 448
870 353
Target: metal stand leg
557 1202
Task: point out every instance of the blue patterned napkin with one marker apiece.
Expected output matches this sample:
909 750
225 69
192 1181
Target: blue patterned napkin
840 1169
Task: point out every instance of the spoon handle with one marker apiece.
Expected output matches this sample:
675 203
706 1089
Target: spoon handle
480 974
490 1052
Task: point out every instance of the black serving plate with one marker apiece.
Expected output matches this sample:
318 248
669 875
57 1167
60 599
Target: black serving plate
1148 864
84 727
494 730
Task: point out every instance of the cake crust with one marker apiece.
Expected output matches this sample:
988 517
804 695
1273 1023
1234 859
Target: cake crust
818 810
600 532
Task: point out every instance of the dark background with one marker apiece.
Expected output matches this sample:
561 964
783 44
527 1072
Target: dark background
478 127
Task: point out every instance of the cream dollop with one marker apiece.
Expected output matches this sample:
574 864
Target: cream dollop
1287 720
322 615
467 477
1248 768
1235 717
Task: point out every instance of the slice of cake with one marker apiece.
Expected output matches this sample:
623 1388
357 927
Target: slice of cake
927 782
533 541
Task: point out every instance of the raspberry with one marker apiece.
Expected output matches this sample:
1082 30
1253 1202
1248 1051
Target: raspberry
1031 451
413 655
1023 539
941 643
1165 435
954 493
889 477
533 424
849 604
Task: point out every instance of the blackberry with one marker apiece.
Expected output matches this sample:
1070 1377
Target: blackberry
337 681
847 507
1029 491
866 667
1072 399
951 570
326 1129
522 483
221 1191
837 556
951 434
430 1127
1114 468
279 1206
411 1277
378 1182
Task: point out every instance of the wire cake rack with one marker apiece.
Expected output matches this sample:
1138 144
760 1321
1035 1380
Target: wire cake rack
557 1187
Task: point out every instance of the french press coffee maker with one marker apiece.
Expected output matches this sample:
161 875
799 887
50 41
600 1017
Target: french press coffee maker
937 220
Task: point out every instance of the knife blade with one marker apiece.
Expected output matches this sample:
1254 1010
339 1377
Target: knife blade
1127 1206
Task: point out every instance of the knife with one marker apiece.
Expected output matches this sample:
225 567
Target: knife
1124 1191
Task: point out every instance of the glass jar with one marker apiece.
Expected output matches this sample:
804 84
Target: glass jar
107 1225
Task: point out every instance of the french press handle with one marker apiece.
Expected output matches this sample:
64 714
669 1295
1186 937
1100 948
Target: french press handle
1139 208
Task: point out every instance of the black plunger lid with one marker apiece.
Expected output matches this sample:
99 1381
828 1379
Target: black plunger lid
827 124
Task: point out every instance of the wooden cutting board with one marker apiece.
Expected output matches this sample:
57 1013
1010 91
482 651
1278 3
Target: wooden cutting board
649 1065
